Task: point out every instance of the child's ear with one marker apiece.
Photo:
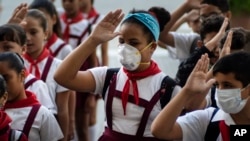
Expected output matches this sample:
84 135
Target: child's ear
23 75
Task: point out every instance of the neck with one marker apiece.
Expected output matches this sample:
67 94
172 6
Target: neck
71 15
143 67
36 54
86 8
21 96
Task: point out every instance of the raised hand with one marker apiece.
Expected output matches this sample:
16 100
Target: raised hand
194 4
105 30
227 45
19 13
215 40
197 82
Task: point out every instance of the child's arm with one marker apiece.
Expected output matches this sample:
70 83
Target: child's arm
165 126
67 73
188 5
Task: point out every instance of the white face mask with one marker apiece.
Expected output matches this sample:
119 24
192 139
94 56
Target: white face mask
129 56
230 101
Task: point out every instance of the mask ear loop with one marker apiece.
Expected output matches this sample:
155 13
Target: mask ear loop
146 47
145 63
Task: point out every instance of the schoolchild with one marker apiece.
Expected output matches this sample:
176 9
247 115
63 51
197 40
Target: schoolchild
27 114
40 63
232 82
6 133
88 124
13 39
185 43
131 98
57 47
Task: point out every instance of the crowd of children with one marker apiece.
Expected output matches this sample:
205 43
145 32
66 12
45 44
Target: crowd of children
51 78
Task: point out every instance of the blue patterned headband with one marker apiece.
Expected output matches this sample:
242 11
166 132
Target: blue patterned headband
149 21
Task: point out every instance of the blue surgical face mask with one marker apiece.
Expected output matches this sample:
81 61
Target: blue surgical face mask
130 57
230 101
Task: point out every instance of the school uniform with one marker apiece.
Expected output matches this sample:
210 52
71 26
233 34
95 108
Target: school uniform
35 120
40 89
8 134
134 122
57 47
74 30
194 125
183 43
44 68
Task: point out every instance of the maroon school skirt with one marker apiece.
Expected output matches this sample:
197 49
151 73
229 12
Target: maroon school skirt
110 135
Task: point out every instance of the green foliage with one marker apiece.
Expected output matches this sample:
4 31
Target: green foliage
240 6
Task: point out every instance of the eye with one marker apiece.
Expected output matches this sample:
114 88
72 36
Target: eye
133 43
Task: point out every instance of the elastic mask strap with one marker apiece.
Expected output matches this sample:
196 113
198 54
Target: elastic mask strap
244 88
146 47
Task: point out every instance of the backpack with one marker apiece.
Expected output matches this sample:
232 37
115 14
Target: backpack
213 129
167 86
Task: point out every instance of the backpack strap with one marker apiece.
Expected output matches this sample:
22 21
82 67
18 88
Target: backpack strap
30 119
30 82
58 49
213 129
47 68
167 86
213 101
87 30
110 73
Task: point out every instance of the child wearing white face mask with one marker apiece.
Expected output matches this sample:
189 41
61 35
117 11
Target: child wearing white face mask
232 78
132 100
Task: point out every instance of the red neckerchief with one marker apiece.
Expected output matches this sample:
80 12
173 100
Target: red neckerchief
133 76
34 63
4 126
92 13
29 101
68 22
26 73
225 131
51 41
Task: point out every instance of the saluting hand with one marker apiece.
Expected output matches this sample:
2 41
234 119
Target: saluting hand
104 31
19 13
197 83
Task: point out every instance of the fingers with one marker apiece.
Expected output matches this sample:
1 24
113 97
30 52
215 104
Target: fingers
113 17
228 42
202 65
224 25
19 13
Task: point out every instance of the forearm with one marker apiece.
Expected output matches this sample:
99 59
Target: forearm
104 53
178 23
62 100
164 36
74 61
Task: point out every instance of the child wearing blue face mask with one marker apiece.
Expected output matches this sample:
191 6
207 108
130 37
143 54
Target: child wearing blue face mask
232 78
132 100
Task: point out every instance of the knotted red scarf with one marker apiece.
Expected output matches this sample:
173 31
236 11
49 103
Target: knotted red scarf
133 76
34 63
68 22
51 41
29 101
225 131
